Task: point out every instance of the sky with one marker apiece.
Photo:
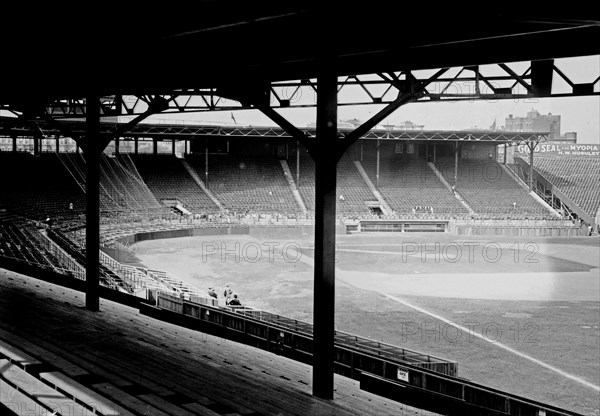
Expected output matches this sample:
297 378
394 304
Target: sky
578 114
581 115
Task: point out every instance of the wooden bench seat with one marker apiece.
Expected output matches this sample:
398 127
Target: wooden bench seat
39 391
79 392
206 375
164 405
43 354
12 400
199 409
126 400
17 356
89 366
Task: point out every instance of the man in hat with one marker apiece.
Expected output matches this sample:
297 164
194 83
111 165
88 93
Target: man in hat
212 293
227 293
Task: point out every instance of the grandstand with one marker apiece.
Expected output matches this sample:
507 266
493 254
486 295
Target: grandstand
491 191
39 187
21 241
410 183
575 177
168 180
247 183
352 192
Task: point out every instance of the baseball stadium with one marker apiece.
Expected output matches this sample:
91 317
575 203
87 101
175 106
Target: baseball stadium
342 268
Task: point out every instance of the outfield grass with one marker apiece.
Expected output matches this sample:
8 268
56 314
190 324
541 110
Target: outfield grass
562 333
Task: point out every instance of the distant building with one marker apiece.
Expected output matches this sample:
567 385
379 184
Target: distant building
534 121
353 123
405 125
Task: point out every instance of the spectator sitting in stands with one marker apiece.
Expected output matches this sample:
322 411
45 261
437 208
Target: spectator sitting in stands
235 301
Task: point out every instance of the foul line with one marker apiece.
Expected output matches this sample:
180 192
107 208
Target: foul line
496 343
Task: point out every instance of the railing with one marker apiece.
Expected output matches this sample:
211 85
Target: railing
403 377
294 338
451 396
64 259
132 276
174 283
377 348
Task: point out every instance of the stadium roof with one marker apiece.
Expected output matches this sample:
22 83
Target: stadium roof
11 126
58 51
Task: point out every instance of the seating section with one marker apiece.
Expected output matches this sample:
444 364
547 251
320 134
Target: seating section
121 362
122 182
22 242
121 186
26 385
353 190
167 179
53 185
247 183
577 178
39 187
306 181
406 184
491 191
107 277
14 377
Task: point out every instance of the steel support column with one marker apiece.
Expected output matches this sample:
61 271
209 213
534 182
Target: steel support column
173 147
92 207
206 161
36 145
155 147
505 149
456 164
298 164
57 143
325 156
14 144
135 145
116 145
377 166
531 146
434 148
